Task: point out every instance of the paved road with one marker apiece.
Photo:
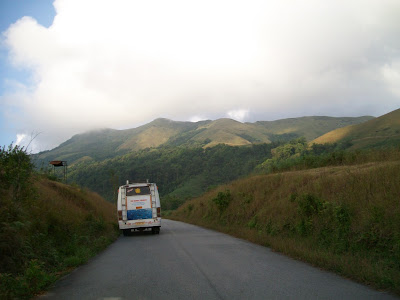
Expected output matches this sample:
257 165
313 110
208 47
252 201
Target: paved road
189 262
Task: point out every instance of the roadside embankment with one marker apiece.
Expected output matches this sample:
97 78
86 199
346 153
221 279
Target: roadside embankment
46 228
345 218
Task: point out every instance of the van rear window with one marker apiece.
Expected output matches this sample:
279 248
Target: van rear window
139 190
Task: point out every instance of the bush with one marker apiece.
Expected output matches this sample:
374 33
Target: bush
15 170
222 200
34 280
16 190
329 223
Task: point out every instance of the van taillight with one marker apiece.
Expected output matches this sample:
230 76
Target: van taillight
158 211
120 215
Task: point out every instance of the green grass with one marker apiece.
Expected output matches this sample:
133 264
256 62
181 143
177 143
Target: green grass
47 228
343 218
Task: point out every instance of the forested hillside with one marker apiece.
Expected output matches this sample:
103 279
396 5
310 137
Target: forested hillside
180 172
184 158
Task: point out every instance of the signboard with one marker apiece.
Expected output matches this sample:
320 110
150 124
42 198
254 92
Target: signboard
139 202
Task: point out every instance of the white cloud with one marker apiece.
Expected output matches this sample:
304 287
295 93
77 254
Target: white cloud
105 63
238 115
20 138
29 142
195 119
391 74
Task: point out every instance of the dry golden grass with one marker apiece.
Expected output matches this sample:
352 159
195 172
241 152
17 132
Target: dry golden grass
376 131
151 137
334 136
231 132
57 228
73 201
354 230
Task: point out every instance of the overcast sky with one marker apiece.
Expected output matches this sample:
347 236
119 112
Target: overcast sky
123 63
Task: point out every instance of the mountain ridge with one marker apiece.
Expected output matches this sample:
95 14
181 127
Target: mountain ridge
106 143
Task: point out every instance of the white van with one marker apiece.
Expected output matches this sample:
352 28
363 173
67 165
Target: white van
139 207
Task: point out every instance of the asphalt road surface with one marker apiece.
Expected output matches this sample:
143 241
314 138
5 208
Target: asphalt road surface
189 262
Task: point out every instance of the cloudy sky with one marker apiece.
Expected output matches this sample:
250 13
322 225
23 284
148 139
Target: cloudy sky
68 66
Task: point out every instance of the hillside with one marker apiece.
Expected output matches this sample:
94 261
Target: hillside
378 132
107 143
308 127
180 172
344 218
47 228
173 153
230 132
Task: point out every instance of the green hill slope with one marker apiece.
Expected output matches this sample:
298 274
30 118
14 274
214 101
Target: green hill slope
230 132
173 153
180 172
107 143
308 127
378 132
154 134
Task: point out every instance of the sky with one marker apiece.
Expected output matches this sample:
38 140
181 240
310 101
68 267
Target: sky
69 66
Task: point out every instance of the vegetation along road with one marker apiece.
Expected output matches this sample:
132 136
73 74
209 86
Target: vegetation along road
189 262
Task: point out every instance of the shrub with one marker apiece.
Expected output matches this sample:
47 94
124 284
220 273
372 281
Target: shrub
222 200
329 223
15 171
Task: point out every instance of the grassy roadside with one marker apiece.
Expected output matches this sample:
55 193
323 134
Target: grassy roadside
46 228
345 218
60 229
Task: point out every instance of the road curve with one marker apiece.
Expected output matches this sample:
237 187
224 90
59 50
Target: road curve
189 262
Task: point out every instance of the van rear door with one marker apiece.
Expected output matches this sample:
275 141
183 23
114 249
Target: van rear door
139 203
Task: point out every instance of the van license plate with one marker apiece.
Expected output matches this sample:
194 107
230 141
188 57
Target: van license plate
139 223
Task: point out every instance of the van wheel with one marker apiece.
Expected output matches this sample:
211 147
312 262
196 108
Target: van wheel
126 232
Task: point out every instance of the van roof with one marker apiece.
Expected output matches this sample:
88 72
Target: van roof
138 184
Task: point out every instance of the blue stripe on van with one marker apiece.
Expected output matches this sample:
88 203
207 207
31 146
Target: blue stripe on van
138 214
